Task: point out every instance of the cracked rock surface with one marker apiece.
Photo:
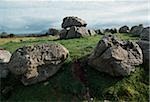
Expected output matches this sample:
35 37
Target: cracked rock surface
115 57
38 62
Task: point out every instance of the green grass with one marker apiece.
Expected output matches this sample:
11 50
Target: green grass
63 87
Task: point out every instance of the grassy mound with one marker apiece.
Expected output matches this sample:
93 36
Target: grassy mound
63 87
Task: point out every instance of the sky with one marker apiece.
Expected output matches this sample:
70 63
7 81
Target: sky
23 16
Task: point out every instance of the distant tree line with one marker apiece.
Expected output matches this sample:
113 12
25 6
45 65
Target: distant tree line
6 35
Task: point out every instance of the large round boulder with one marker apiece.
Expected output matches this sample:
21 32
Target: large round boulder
38 62
115 57
124 29
73 21
145 49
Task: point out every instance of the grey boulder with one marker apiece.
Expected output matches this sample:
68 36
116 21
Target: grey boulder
145 34
38 62
115 57
124 29
146 50
73 21
137 30
63 34
76 32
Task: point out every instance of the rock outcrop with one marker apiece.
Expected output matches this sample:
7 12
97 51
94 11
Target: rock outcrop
115 57
74 27
145 34
76 32
144 44
137 30
4 59
37 63
73 21
124 29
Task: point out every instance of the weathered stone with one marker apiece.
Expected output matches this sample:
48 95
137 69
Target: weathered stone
136 30
145 34
124 29
115 57
145 49
144 44
76 32
73 21
37 63
63 34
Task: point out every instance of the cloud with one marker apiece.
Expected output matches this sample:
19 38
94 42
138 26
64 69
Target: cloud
42 14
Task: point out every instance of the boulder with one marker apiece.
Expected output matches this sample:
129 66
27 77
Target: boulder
107 30
144 44
73 21
115 57
124 29
145 34
145 49
4 59
113 30
63 34
38 62
91 32
76 32
136 30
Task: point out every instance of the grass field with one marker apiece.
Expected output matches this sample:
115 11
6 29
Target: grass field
63 87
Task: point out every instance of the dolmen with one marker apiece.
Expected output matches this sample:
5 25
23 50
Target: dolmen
74 27
115 57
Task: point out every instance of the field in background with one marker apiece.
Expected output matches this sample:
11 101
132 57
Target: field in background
64 87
